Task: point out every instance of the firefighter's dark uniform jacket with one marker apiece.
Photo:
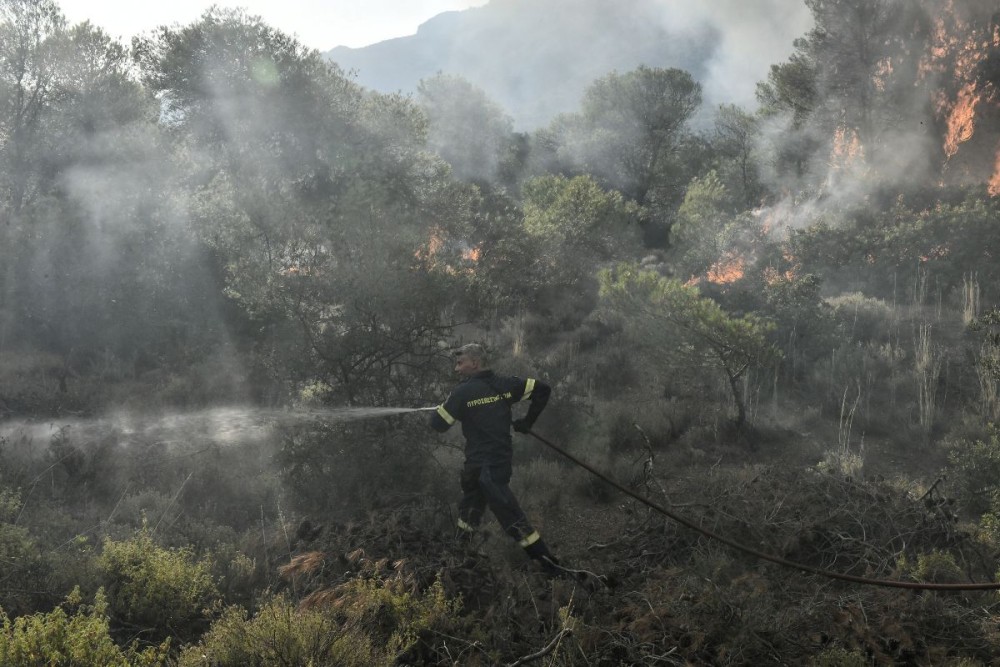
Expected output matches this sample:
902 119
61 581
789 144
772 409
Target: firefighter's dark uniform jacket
483 404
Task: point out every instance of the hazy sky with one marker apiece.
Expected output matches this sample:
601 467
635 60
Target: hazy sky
320 24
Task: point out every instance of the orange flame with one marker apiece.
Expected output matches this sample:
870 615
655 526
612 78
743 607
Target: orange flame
772 275
941 45
883 68
994 186
961 120
727 270
472 254
951 42
846 147
946 40
428 250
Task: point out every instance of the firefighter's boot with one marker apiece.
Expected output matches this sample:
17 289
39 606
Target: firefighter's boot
538 550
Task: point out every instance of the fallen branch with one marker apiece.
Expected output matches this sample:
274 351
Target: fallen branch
565 632
647 468
934 486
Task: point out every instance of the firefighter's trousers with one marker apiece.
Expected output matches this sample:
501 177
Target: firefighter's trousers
487 486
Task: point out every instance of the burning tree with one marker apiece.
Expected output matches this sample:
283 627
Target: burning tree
892 92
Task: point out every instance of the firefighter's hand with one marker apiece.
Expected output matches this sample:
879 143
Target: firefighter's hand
522 425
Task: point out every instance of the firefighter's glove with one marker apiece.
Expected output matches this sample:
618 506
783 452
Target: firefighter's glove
522 425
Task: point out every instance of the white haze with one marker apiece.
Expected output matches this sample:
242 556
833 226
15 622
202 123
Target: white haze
535 58
319 24
751 36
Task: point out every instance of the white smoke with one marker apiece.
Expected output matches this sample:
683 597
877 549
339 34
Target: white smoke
751 35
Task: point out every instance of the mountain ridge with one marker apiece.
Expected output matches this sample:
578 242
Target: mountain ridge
535 59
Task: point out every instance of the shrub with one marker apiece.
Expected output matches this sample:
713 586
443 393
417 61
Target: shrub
538 483
936 567
863 318
164 591
78 640
22 567
277 635
366 621
350 466
974 468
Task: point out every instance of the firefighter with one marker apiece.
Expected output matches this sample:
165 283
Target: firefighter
482 402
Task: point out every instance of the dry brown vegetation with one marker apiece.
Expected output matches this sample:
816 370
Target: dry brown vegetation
672 596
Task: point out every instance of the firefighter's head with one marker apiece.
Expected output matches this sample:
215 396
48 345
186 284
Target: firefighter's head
470 359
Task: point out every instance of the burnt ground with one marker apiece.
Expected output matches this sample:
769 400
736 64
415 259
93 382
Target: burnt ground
669 595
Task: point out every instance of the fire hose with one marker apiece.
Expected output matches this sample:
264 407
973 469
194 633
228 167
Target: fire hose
913 585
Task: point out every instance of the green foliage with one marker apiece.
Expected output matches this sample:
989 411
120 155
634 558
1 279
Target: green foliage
78 639
702 214
790 87
704 227
675 324
630 128
10 504
165 592
862 318
805 325
938 567
353 466
985 331
24 570
507 273
974 468
907 256
577 225
737 133
277 634
362 622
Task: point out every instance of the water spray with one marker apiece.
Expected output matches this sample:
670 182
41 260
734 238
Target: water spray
229 424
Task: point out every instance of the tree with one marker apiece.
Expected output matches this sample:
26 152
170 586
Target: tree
321 200
631 126
699 234
674 324
470 131
852 89
96 262
852 43
575 226
30 33
788 98
736 135
791 86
